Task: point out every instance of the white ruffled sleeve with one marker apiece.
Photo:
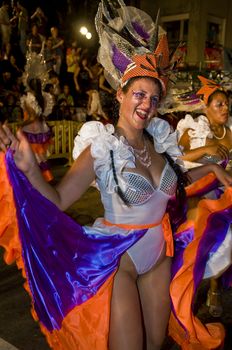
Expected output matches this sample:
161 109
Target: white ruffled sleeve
30 100
102 140
165 138
48 103
88 133
198 130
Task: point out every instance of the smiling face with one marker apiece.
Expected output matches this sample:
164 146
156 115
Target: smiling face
138 104
217 110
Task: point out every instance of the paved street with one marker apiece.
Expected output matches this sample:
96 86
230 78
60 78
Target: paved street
16 324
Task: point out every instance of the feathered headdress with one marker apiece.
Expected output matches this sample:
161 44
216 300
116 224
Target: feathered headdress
178 101
208 87
131 44
35 67
190 101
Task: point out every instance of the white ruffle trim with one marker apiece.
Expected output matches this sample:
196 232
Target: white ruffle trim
199 130
102 140
30 100
165 139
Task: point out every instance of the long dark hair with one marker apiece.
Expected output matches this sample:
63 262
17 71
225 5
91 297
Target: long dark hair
36 87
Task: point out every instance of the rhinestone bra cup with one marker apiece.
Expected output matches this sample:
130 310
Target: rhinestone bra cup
140 190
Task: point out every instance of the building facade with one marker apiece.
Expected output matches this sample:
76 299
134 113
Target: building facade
203 26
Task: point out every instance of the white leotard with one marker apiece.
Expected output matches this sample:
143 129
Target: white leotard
147 203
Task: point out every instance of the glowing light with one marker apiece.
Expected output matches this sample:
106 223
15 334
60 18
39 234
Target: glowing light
88 35
83 30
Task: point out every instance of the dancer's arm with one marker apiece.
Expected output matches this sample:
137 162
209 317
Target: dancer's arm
73 185
193 155
223 176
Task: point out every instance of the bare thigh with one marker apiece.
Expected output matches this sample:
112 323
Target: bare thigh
155 300
126 332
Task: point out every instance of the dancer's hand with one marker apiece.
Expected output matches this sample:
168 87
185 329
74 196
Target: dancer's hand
23 155
223 176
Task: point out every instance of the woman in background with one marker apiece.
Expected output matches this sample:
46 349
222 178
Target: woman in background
37 105
204 140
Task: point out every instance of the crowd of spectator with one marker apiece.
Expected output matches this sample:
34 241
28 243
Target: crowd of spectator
76 80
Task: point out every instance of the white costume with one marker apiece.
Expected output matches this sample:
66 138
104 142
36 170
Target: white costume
199 130
142 195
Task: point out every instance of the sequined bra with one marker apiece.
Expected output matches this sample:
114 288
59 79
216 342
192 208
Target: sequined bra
140 189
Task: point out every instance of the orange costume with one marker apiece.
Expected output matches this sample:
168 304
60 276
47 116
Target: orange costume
70 269
40 145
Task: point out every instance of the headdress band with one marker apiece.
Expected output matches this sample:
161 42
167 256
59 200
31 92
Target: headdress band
153 65
209 87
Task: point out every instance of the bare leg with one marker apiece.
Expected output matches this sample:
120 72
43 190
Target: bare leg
214 298
126 331
155 299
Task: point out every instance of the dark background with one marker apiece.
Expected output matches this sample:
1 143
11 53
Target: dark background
70 15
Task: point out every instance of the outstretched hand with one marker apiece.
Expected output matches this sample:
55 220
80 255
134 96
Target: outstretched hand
23 155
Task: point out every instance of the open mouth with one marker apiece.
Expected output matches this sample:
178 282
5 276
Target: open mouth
142 115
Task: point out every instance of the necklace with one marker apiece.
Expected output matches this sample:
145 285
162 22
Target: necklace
220 137
143 155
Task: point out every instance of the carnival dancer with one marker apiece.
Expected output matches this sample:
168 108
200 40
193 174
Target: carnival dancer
105 286
208 138
37 105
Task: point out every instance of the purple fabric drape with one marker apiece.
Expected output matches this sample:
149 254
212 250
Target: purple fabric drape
64 265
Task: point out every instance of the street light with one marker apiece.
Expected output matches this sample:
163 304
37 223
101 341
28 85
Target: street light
83 30
88 35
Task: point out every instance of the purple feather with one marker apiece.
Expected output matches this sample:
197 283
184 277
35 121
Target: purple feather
120 60
140 30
